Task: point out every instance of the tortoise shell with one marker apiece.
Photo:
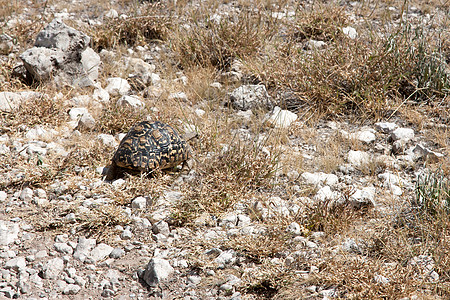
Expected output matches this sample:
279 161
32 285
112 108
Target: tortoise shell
147 147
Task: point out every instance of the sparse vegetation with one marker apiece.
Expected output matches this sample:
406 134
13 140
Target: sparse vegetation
396 69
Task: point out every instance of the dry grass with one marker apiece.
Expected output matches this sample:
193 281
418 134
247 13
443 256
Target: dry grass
387 72
149 24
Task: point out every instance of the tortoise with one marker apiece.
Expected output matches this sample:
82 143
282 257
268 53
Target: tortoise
146 148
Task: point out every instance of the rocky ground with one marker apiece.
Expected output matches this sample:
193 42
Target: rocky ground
279 202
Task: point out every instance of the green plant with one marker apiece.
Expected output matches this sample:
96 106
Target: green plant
433 193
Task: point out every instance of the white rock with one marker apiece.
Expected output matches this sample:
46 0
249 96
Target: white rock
100 95
200 112
281 118
26 194
10 101
157 271
108 140
77 112
71 289
83 248
358 158
41 62
248 97
350 32
178 96
161 227
315 45
112 14
6 44
58 35
16 264
100 252
325 193
380 279
390 179
226 257
3 197
385 127
117 86
366 136
320 178
402 134
53 268
126 235
86 122
90 61
63 248
130 102
139 203
294 228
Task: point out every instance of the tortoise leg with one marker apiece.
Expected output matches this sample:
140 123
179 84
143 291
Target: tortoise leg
113 172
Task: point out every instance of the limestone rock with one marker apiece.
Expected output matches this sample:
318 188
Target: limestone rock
248 97
157 270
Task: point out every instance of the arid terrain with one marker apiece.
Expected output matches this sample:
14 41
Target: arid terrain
319 166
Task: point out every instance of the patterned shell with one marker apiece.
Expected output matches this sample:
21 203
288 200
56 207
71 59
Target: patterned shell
149 146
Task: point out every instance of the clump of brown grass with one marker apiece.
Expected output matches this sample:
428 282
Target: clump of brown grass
152 23
115 119
40 110
323 23
207 42
226 177
367 75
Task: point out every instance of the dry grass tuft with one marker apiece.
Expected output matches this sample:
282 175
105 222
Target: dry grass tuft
210 42
226 177
151 24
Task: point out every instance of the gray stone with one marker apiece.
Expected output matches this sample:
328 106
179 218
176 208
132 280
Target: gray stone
63 248
139 203
385 127
53 268
157 270
248 97
161 227
41 63
58 35
71 289
133 102
83 248
100 252
117 253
